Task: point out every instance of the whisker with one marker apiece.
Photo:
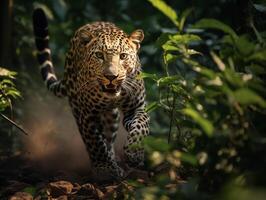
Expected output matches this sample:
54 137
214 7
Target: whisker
82 87
129 87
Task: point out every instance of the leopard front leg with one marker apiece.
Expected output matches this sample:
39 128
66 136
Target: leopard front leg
102 157
136 123
110 119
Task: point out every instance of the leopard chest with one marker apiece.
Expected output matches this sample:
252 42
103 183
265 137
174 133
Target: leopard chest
95 101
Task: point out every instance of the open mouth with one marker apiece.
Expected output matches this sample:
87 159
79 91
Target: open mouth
110 88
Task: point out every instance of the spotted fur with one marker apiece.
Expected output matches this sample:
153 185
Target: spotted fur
100 81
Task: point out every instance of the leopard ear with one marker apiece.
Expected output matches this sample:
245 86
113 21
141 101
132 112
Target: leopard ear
137 36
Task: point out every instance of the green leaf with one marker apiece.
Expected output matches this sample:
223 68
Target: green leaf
166 10
247 97
179 90
183 18
152 106
156 144
164 37
14 93
147 75
176 39
257 69
168 58
178 43
200 69
216 24
220 64
170 46
184 39
233 77
205 124
244 46
7 82
3 104
258 56
7 73
207 72
189 158
168 80
193 52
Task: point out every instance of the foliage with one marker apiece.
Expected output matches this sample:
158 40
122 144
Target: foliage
165 9
216 101
7 88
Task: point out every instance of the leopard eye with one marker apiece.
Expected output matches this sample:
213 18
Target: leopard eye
123 56
99 55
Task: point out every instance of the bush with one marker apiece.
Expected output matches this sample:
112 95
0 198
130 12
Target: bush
7 88
216 104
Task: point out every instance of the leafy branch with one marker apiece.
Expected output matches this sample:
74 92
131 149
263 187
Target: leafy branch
7 93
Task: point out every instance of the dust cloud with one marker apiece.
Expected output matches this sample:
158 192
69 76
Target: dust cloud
54 142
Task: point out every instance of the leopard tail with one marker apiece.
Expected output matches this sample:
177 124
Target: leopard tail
40 27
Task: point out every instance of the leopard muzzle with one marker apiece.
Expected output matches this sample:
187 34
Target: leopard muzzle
111 84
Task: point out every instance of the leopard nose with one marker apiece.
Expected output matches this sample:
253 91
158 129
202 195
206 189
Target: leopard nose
110 77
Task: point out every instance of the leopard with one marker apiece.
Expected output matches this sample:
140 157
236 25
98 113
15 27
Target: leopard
102 82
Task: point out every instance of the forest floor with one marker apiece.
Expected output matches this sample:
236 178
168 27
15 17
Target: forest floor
21 180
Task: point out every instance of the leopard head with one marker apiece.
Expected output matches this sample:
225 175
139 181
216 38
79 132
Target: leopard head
109 56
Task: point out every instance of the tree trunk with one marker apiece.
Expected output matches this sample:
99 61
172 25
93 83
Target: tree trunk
6 8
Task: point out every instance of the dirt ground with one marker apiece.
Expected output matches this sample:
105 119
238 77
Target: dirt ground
21 179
